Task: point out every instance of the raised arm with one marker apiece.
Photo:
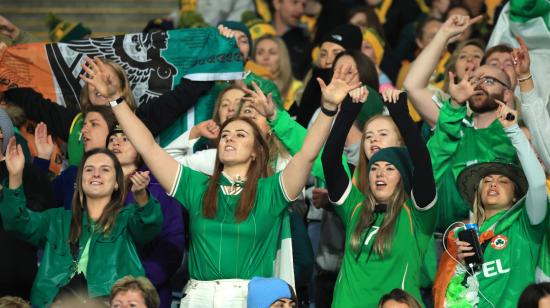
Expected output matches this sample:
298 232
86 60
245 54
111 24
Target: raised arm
297 171
311 97
30 226
37 108
288 131
337 179
423 184
536 197
161 112
416 82
448 132
533 107
163 166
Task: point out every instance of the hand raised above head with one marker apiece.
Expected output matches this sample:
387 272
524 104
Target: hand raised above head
262 103
359 95
391 95
225 31
15 158
462 91
208 129
8 29
43 142
344 79
522 61
98 76
455 25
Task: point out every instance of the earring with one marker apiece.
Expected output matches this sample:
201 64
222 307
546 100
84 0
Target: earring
253 157
116 187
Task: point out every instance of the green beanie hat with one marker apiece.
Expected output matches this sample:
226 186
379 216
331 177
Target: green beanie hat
399 157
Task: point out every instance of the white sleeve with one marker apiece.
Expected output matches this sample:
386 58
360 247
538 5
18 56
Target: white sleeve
202 161
181 146
537 119
535 199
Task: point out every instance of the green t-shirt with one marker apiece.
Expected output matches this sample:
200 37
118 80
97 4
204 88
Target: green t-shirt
510 258
361 283
221 248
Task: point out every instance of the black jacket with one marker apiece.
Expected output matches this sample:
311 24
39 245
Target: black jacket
311 99
157 114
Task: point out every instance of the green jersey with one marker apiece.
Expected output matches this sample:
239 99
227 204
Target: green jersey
510 257
456 144
222 248
363 279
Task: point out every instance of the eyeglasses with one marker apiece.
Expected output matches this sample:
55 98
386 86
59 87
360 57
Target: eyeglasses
488 80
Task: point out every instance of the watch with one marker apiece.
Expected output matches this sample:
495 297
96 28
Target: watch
116 101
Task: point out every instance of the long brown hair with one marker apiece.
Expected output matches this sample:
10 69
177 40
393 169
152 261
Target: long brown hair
108 217
276 148
384 237
258 168
120 73
362 173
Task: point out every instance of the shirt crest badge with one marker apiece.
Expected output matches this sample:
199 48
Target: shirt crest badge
499 242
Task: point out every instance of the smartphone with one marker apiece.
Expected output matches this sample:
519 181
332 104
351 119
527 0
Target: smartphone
470 236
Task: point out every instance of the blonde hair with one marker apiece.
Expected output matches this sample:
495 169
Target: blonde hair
284 79
362 174
140 284
13 302
125 87
478 208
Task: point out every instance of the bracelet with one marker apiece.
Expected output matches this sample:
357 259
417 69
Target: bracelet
116 101
328 113
525 78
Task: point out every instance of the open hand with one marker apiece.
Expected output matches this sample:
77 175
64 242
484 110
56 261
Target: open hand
43 141
15 158
502 114
343 81
98 76
263 104
462 91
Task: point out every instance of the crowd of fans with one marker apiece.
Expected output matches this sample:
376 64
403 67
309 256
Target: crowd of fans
378 153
